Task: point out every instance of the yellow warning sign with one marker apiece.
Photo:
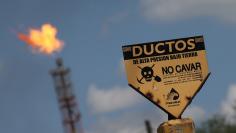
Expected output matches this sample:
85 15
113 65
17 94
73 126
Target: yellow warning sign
168 73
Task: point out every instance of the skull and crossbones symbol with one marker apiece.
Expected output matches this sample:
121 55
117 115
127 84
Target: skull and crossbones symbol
148 74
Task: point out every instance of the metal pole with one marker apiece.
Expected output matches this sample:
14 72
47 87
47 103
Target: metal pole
148 126
171 117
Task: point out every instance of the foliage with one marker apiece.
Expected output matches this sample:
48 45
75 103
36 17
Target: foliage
216 124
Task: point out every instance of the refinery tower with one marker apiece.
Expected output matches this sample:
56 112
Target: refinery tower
66 98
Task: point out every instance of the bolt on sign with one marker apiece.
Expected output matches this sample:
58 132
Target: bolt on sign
168 73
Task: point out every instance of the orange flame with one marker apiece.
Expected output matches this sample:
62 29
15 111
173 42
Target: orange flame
43 40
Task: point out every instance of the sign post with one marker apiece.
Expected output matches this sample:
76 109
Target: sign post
168 73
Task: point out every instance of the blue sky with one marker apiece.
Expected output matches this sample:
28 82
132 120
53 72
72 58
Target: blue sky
93 32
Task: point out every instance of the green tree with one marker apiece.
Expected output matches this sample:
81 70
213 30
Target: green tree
216 124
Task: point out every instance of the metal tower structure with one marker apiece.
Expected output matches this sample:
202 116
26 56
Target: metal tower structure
66 98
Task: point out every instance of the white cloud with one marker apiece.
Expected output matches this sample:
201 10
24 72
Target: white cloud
196 113
102 101
115 98
129 122
115 19
133 121
228 105
178 9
